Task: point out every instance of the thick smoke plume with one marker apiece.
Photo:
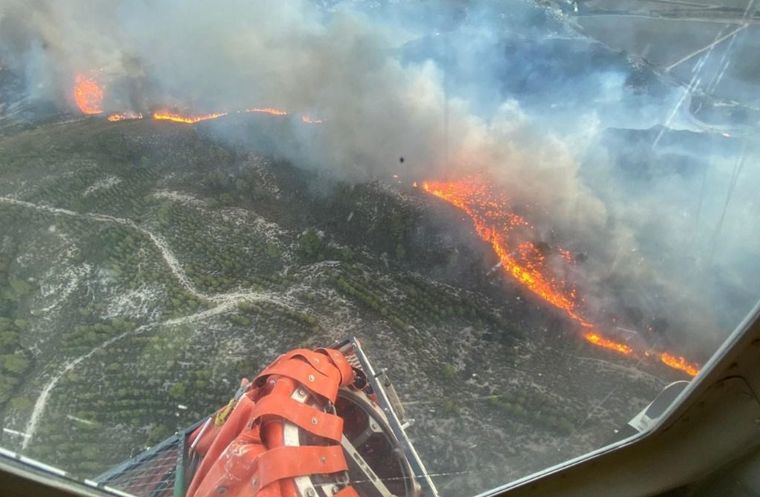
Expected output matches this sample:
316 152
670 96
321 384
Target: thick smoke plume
503 90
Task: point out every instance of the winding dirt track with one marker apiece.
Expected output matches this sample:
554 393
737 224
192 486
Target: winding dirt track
224 301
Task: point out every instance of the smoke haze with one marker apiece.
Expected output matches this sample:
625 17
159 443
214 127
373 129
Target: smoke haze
507 90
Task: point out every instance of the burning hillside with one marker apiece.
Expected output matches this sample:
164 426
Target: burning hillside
525 263
509 234
404 102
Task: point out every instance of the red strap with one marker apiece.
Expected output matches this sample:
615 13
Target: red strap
347 492
340 362
317 360
288 462
309 418
303 373
239 447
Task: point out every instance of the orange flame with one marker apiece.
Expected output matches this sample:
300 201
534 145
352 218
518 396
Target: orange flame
679 363
494 222
124 116
268 110
88 95
598 340
488 210
166 115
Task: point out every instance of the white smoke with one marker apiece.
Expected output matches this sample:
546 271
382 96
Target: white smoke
446 115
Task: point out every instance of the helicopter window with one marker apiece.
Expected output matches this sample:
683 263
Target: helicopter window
535 216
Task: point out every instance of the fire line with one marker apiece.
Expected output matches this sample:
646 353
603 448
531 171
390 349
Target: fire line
494 222
89 95
165 115
267 110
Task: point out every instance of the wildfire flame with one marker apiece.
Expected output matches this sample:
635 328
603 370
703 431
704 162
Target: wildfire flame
679 363
496 224
166 115
268 110
88 95
598 340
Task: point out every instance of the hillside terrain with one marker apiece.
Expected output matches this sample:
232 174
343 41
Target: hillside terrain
144 268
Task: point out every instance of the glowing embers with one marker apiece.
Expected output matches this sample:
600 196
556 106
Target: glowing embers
166 115
88 95
124 116
679 363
